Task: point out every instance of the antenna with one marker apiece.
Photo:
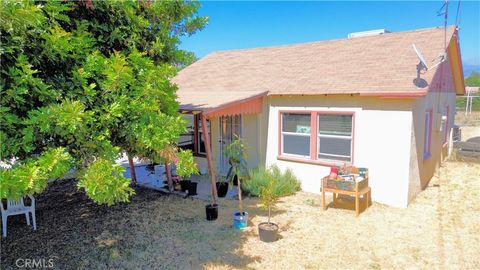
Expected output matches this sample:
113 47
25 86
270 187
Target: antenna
423 63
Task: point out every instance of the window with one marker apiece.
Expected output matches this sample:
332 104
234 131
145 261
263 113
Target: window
428 134
322 137
193 139
200 149
187 140
296 134
334 137
445 125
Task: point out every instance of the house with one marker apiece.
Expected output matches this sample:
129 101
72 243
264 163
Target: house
365 100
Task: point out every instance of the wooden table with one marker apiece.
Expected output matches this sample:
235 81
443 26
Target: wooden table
360 189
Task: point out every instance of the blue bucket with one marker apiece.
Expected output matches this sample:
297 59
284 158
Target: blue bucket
240 221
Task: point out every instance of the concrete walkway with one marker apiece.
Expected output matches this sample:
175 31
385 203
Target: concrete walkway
150 180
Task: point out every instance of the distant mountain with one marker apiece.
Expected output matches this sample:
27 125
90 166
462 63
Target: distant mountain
468 69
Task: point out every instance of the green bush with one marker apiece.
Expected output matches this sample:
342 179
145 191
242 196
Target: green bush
285 183
186 165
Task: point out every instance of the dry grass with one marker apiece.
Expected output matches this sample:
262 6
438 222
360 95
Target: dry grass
472 119
438 230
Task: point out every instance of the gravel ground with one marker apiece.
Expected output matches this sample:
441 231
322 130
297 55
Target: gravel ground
439 230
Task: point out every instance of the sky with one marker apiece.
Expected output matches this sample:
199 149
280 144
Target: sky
238 25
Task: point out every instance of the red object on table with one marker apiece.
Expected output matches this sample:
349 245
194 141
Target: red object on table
333 170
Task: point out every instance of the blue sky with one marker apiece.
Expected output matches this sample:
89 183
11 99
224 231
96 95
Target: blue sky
236 25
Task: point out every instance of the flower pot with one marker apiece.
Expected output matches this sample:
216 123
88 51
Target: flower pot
184 185
192 188
240 220
222 189
268 232
212 211
235 180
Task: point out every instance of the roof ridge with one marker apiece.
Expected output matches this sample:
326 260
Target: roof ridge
326 41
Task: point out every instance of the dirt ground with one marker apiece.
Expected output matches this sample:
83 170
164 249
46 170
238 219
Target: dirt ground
438 230
470 124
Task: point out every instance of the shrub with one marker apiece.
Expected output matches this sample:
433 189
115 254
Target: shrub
271 184
286 183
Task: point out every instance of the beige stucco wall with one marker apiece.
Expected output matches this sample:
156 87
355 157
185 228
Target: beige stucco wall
382 142
441 94
421 171
388 140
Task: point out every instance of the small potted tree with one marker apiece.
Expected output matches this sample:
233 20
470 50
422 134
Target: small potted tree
236 155
186 167
270 184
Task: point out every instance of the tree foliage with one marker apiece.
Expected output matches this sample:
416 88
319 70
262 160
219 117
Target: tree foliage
83 81
473 79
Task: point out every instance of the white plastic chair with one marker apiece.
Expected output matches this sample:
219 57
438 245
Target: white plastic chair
17 208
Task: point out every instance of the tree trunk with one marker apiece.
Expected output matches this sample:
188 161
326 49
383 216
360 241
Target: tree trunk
269 212
133 175
168 172
240 202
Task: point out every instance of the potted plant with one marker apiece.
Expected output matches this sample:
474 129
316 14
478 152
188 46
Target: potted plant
185 167
270 184
211 209
222 186
236 155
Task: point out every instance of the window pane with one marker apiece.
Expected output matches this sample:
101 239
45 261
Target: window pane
201 141
334 146
186 140
296 145
335 125
299 123
201 148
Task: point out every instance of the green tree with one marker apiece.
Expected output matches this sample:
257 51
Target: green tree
83 81
473 79
270 184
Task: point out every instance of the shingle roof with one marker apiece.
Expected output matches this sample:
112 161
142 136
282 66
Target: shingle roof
363 65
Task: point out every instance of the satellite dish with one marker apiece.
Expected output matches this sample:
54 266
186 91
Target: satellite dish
422 63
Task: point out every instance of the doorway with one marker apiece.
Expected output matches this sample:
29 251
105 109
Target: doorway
230 127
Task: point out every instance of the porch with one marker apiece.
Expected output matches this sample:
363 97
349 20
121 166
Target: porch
147 178
222 118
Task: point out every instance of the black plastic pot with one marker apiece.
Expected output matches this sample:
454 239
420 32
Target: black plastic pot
222 189
268 232
192 188
212 211
235 180
184 185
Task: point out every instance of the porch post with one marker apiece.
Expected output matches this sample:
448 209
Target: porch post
208 151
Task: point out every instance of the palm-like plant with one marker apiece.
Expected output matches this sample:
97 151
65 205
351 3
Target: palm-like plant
271 184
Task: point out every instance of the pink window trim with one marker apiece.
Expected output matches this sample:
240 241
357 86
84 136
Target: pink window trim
447 134
427 154
313 138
